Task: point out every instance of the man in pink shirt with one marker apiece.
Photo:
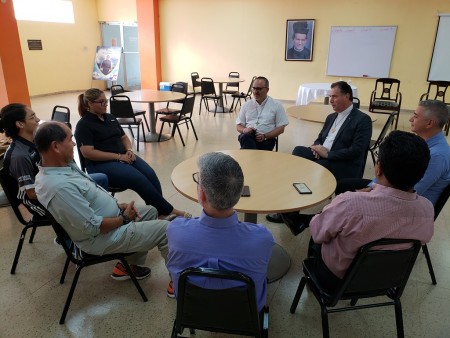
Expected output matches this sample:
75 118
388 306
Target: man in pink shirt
391 210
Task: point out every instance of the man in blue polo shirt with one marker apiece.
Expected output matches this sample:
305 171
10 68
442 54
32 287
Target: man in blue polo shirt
217 239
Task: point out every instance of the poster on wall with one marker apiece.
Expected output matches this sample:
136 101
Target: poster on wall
299 40
107 63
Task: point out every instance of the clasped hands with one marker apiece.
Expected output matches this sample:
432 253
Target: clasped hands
129 157
258 136
129 210
319 151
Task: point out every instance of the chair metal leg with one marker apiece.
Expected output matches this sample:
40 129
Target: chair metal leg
430 266
399 318
193 129
66 266
325 326
179 133
71 292
146 122
33 232
372 153
137 139
160 132
298 294
143 133
19 249
133 278
396 119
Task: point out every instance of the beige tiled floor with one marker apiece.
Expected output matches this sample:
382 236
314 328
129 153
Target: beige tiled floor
32 299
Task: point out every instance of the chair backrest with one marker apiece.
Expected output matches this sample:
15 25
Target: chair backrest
232 310
82 160
194 79
180 87
443 197
233 85
208 86
188 106
441 89
378 269
11 189
383 132
61 114
117 89
387 89
120 106
356 102
64 238
250 90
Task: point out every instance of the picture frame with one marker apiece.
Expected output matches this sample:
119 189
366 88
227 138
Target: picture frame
299 40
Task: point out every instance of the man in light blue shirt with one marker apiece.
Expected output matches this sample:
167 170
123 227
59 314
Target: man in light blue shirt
217 239
89 214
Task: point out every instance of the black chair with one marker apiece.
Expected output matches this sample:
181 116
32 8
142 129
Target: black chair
372 273
440 89
11 190
375 144
184 117
82 259
178 87
437 209
112 190
117 90
61 114
356 103
231 87
238 96
120 106
232 310
208 94
196 84
386 97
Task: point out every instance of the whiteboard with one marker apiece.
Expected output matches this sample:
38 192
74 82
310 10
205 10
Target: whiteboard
361 51
440 61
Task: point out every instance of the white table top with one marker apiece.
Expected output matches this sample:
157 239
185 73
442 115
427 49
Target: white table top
270 176
308 92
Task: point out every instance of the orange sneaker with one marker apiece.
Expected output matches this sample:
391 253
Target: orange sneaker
120 273
170 292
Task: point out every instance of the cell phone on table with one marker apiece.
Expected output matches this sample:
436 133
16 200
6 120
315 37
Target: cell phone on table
245 191
302 188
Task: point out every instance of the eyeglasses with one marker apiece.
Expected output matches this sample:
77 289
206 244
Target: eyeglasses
32 117
258 89
195 177
102 102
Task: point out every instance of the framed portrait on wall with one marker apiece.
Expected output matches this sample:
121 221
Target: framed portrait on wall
299 40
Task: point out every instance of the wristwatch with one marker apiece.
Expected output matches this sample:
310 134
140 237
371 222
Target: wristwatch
126 219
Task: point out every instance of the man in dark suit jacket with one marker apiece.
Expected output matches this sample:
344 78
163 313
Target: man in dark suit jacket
343 141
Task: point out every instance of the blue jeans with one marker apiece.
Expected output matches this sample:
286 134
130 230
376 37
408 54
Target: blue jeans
138 176
101 180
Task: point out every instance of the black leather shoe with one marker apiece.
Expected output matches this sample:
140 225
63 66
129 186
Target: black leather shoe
275 218
296 222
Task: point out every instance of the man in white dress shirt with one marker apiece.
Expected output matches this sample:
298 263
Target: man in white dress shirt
260 119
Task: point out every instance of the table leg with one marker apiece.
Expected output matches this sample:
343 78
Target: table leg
153 136
220 106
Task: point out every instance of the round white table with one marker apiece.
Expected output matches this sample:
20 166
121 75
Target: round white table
270 176
151 96
308 92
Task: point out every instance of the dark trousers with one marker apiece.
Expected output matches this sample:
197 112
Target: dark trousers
351 184
248 141
307 153
327 279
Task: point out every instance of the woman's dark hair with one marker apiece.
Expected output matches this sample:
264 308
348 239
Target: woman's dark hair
9 115
89 95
